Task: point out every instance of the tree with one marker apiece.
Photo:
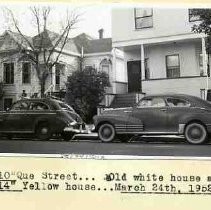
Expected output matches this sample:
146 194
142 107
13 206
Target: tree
40 50
203 25
85 90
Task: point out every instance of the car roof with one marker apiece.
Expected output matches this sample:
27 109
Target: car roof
39 99
185 96
194 100
170 95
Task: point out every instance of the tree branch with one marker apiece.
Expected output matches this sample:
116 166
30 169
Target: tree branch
18 29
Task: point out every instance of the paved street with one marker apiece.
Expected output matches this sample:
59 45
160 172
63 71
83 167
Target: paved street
146 146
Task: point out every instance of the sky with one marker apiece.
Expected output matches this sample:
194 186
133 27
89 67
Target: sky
92 18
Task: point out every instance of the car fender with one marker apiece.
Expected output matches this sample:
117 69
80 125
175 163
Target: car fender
116 120
112 119
203 118
56 124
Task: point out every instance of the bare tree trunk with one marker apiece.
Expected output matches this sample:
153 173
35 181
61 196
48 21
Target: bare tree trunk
42 85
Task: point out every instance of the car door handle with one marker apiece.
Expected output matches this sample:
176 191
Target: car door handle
163 110
127 111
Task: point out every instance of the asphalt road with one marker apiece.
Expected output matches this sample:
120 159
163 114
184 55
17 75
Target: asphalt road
148 146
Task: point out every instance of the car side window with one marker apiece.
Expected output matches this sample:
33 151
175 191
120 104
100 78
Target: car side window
20 106
152 102
176 102
38 106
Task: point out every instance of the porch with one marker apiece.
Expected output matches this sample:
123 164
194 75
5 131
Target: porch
178 60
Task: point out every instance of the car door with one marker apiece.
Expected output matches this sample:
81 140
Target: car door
38 110
176 109
17 119
151 112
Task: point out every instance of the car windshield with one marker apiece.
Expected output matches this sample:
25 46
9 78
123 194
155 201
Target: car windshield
66 107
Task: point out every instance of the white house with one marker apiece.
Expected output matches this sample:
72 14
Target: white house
161 53
18 75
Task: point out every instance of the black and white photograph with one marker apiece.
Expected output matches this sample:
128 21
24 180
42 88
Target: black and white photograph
108 79
105 106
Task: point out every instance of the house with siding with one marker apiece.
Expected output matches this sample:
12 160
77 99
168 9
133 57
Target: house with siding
161 53
99 54
20 78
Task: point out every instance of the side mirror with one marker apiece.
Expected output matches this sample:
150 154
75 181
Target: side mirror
7 109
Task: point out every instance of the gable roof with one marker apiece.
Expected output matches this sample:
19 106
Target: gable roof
19 39
91 45
12 41
74 45
51 39
99 45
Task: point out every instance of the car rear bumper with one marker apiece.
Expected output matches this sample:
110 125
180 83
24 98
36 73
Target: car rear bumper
77 130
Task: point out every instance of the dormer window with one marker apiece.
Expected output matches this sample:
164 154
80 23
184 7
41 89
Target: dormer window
143 18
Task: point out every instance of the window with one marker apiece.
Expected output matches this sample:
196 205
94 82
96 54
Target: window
147 72
203 93
192 17
58 69
175 102
57 76
20 106
7 103
37 106
26 73
152 102
105 68
8 73
143 18
172 66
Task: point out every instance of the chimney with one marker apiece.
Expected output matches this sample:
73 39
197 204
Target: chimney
101 33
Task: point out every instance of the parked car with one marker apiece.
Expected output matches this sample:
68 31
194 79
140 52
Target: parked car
42 117
177 114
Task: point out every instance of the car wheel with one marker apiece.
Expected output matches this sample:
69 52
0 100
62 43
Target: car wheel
106 132
196 133
67 136
43 131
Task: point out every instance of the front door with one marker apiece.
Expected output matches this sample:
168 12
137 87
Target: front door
134 76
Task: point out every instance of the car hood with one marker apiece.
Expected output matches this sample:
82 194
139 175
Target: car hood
117 111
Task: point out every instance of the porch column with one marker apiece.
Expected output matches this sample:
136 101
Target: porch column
142 62
114 71
204 56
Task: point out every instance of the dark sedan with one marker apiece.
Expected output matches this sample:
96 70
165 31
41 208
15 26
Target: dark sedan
176 114
42 117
